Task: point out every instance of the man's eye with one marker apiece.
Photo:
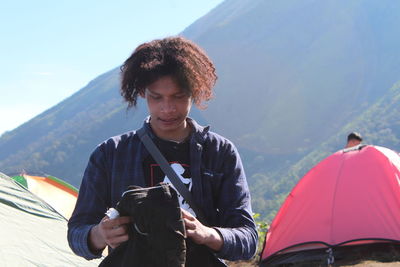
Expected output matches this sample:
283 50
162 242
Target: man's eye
155 97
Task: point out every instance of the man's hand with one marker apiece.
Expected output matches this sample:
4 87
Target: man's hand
110 232
200 233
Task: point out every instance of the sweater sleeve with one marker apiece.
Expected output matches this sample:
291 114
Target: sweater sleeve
90 206
237 226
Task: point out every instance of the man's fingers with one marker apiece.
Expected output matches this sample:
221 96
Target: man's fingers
189 224
118 230
115 231
115 223
184 213
117 237
124 219
188 215
188 219
116 240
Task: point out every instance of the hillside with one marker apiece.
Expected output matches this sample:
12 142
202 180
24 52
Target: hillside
379 124
286 67
60 140
294 77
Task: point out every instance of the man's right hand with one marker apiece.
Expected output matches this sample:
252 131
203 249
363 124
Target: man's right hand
110 232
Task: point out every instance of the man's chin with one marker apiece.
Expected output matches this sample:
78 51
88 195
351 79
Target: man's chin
168 126
163 129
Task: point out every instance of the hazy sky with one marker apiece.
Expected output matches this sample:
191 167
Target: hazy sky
50 49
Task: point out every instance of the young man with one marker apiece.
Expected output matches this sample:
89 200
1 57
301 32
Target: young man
171 74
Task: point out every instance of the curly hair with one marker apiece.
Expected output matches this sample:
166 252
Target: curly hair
176 56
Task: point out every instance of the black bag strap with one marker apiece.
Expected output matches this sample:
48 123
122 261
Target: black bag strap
171 174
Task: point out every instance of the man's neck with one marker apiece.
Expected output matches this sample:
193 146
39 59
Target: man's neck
179 136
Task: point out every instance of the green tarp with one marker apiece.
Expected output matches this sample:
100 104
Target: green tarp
32 233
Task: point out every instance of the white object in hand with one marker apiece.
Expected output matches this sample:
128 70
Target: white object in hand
112 213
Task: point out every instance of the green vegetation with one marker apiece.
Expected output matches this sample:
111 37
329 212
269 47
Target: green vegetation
379 125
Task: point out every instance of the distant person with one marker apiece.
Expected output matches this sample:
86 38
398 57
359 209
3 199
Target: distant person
171 74
353 139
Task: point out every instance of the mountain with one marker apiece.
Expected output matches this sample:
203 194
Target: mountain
294 79
59 141
286 67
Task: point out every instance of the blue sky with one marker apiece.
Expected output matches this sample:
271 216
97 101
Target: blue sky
50 49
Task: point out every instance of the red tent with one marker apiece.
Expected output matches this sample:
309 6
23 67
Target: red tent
350 198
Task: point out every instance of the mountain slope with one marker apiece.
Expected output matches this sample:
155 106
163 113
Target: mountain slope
292 74
379 125
60 140
286 66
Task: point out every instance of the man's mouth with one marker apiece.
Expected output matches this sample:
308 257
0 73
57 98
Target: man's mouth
168 120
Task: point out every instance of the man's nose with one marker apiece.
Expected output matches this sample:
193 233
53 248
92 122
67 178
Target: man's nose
168 106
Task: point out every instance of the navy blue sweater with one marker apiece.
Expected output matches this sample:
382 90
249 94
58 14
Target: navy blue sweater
219 188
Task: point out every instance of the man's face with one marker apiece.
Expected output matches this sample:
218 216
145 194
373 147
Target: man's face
169 106
353 142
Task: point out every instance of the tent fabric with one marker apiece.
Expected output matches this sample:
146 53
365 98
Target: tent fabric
59 194
351 197
32 232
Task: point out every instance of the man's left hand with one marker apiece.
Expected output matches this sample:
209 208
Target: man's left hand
201 234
